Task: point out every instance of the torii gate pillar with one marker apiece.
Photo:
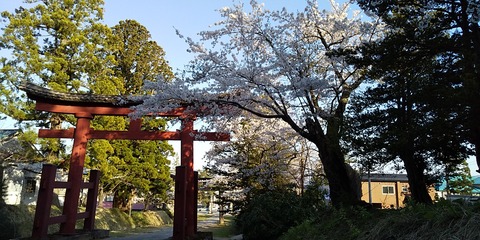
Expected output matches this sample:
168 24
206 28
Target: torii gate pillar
75 173
186 150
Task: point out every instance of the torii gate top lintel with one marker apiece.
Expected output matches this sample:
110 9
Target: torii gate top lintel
74 103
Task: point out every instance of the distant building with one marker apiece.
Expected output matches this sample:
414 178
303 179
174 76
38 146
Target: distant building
441 191
387 190
19 173
476 185
22 181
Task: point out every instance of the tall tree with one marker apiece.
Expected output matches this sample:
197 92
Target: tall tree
447 28
276 64
458 179
143 165
63 46
414 112
56 44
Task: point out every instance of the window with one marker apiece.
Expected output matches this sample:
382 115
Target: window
388 190
30 185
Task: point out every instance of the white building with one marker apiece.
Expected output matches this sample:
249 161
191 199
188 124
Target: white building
19 175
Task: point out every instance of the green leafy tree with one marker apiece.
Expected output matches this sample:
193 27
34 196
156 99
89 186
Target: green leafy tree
63 45
56 44
142 165
205 191
458 178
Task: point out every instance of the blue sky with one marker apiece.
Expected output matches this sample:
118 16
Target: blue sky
162 18
190 17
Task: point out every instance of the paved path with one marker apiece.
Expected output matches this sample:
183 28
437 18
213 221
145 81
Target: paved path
161 233
166 232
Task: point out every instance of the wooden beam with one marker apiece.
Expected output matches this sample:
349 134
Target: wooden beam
131 135
134 135
179 221
100 110
110 135
72 109
56 133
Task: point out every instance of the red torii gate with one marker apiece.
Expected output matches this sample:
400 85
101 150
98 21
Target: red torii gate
85 107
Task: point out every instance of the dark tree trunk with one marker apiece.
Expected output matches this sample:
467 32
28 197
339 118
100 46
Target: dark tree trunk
474 123
415 170
416 180
120 200
477 155
343 189
302 175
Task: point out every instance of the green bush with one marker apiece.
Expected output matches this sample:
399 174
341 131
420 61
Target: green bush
331 223
307 230
270 214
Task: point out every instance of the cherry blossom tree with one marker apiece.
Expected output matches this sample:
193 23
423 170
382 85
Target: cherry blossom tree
264 155
277 64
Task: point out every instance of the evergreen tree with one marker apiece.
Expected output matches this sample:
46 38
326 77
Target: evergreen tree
458 179
448 30
413 112
143 165
56 44
63 46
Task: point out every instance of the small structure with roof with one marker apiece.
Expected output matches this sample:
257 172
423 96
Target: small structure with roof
19 171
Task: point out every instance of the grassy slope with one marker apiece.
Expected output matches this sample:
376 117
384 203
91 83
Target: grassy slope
444 220
17 221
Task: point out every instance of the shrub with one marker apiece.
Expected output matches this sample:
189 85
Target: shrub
15 221
270 214
307 230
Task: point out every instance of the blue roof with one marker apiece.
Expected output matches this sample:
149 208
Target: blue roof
476 185
476 180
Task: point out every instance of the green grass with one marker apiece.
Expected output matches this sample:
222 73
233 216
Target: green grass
17 221
221 231
443 220
203 216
